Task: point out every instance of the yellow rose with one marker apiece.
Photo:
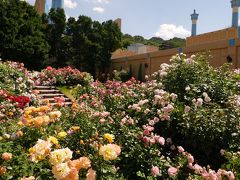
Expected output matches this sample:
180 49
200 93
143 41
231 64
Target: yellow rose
10 114
81 142
62 134
60 156
109 137
110 151
53 140
55 114
75 128
40 150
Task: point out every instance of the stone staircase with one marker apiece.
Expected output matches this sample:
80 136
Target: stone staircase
49 93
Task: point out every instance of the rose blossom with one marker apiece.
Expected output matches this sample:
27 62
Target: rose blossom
180 149
91 174
190 159
187 109
155 171
172 171
161 141
6 156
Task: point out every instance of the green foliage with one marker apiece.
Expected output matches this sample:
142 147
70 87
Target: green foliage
22 36
122 75
127 40
55 27
140 78
85 44
212 122
13 80
233 162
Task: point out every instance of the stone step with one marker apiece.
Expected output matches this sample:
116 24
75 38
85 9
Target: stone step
47 91
44 87
65 103
52 100
51 95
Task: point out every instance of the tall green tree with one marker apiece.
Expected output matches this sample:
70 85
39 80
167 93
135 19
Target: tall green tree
55 28
21 34
111 41
88 44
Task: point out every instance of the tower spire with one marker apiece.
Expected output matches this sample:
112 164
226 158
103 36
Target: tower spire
194 18
57 4
40 6
235 11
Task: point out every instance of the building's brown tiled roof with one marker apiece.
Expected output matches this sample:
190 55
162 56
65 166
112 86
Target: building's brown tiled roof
152 48
125 53
122 53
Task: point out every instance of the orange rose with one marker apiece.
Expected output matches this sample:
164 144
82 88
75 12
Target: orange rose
6 156
3 170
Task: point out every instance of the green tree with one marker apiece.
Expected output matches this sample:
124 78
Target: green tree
55 27
88 44
21 34
111 41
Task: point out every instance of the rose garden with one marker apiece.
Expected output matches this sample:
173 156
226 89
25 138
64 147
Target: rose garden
182 123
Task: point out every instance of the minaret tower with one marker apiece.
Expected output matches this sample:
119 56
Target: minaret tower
40 6
235 9
57 4
194 18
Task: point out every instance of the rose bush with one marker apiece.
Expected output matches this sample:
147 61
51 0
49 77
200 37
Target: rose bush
62 76
170 127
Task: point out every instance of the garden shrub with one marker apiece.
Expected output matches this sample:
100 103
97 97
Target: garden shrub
132 130
62 77
209 122
13 78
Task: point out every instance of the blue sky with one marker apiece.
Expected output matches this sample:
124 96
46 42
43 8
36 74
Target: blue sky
148 18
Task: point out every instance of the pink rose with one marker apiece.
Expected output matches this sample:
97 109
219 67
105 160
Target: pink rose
146 139
172 171
190 159
151 122
146 132
102 121
197 168
161 141
213 175
155 171
180 149
152 141
187 109
231 175
91 174
222 151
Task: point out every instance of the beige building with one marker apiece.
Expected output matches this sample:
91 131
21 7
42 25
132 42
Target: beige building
40 6
224 46
118 21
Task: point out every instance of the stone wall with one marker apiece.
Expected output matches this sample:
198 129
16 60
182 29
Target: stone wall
219 50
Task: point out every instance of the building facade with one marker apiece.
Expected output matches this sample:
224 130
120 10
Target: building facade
40 6
223 45
57 4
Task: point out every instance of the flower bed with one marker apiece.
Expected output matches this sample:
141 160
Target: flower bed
183 123
62 76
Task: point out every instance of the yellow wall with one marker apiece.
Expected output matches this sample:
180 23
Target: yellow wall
218 49
225 34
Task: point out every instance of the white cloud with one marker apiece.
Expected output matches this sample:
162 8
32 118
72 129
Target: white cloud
67 17
70 4
103 1
169 31
98 9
